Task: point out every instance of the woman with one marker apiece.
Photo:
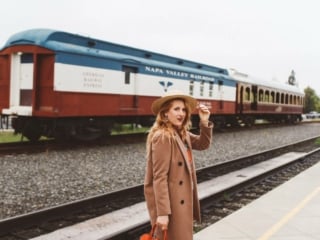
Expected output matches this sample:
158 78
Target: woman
170 186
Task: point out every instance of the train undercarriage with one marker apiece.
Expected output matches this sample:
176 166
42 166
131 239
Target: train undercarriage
224 121
84 129
91 128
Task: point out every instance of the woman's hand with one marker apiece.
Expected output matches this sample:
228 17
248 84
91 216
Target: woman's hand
204 113
163 222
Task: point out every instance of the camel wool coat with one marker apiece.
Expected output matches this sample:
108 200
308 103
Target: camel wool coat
170 185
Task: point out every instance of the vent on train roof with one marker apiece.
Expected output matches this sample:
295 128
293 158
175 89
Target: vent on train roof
91 43
147 55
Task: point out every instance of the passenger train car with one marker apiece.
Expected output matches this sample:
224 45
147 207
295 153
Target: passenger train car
63 85
268 100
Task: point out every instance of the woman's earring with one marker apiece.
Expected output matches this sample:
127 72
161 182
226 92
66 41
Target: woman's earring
166 118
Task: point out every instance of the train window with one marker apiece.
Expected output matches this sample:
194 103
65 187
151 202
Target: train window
278 97
286 99
282 98
191 86
272 97
128 70
220 84
247 94
210 89
201 88
27 58
254 95
267 96
260 95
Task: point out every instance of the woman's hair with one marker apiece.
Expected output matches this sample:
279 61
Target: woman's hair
162 123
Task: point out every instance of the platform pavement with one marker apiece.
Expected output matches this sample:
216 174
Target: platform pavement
289 212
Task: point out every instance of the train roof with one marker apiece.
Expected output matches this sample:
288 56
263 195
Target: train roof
242 77
67 42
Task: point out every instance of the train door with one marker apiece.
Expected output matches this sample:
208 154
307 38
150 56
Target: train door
254 101
240 98
21 82
43 94
220 89
130 99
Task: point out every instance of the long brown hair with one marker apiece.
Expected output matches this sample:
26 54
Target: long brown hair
161 123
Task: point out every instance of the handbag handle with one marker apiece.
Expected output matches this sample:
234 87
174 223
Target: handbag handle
153 231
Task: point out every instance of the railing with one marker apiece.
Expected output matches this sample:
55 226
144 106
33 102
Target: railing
4 122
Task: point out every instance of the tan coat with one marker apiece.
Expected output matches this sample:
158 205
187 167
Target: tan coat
170 186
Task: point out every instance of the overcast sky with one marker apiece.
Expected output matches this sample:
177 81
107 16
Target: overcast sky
264 38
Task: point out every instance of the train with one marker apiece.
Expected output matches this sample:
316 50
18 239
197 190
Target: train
69 86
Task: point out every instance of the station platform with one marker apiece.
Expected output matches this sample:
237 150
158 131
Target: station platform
289 212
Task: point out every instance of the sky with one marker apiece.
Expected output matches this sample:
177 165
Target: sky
263 38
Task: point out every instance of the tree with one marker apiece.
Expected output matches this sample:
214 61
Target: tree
312 100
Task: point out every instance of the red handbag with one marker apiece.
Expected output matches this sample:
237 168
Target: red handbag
151 235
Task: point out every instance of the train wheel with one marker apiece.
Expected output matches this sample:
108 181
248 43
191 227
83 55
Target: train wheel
219 122
249 121
32 131
292 119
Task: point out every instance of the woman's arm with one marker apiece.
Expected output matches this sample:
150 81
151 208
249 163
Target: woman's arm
202 141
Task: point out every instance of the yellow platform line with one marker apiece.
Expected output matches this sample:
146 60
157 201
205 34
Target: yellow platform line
289 215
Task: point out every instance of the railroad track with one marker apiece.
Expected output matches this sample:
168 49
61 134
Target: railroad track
44 221
24 147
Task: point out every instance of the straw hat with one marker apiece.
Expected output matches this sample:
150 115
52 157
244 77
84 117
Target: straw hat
156 105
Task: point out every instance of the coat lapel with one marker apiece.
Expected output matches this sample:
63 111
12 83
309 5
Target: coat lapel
184 152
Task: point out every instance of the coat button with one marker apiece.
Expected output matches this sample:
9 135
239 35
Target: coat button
182 201
180 163
181 182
